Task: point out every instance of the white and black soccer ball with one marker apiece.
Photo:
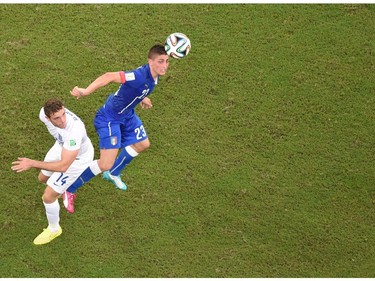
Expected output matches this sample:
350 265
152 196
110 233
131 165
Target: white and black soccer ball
177 45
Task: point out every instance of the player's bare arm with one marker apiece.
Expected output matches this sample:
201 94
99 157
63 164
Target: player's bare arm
67 158
101 81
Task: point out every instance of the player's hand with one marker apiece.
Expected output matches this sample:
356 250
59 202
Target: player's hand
146 103
23 164
77 92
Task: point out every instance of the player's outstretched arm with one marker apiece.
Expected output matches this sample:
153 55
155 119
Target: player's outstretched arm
67 158
101 81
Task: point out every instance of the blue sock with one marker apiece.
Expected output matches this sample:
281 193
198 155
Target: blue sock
125 157
91 171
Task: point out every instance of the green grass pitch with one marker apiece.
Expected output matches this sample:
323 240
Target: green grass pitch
262 141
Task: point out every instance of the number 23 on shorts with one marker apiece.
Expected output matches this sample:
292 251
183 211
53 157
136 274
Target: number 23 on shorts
140 132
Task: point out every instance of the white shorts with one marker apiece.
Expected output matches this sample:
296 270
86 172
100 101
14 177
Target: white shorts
59 181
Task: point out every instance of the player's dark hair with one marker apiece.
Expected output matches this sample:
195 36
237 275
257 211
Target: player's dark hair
52 106
156 50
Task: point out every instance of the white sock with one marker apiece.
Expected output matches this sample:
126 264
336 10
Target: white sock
53 215
94 167
131 151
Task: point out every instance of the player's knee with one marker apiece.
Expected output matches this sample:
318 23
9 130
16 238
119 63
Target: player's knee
48 197
146 144
142 146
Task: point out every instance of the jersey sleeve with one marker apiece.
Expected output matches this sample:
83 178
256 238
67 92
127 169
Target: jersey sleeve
134 78
51 129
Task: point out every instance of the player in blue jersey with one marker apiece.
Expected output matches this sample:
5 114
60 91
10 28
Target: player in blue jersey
116 122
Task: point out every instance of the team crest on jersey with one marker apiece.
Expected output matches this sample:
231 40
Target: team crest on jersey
72 142
114 140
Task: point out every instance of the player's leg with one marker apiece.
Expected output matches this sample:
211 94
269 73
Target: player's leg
56 185
50 201
52 208
127 154
116 179
107 158
134 140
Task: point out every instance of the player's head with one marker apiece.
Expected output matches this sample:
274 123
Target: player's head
55 112
158 60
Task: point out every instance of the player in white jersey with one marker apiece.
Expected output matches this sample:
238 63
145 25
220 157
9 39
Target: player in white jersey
63 163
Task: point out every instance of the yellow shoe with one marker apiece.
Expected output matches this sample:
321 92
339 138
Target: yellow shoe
47 236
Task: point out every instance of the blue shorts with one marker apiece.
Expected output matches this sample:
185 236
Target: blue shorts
115 133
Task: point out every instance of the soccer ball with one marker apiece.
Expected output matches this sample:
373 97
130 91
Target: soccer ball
177 45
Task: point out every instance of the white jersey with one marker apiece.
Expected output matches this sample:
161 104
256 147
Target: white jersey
73 136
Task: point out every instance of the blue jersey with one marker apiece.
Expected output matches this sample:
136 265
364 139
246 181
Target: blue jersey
137 84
